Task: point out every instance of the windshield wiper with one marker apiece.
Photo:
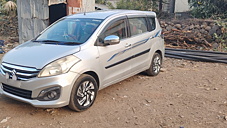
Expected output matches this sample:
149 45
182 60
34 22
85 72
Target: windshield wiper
49 41
45 41
72 43
57 42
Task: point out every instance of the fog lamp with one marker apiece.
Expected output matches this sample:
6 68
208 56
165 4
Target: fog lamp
49 94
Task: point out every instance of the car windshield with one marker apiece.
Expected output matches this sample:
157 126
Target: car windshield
69 31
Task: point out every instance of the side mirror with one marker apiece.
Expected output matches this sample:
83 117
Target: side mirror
111 40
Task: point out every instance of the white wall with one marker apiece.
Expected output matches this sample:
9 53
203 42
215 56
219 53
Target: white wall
33 17
181 6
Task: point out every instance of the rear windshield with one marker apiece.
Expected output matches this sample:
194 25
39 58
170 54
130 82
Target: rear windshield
65 31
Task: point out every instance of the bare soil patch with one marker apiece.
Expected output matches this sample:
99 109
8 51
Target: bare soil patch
186 94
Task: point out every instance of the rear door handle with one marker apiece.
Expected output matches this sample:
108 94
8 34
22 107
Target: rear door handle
128 45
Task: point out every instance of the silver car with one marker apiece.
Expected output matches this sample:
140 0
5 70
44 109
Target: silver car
80 54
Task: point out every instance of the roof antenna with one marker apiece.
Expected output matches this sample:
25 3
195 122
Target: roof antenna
85 7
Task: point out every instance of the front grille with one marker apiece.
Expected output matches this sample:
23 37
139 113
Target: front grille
21 72
17 91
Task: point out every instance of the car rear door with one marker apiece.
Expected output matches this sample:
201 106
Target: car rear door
140 42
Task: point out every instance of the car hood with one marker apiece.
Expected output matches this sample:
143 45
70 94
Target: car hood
37 55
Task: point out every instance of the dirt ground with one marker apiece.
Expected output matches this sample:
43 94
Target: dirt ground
186 94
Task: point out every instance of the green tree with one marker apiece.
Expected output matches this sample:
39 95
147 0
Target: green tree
105 2
100 1
140 5
209 8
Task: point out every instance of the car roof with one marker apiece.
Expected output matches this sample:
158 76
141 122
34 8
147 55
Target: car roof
104 14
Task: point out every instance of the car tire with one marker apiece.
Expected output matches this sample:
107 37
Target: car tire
83 93
155 66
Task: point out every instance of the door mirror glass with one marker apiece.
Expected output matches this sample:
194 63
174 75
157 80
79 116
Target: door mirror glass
111 40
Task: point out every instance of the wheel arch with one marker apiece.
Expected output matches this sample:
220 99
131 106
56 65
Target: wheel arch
159 52
93 74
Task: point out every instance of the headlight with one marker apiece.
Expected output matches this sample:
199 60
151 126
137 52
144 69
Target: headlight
58 67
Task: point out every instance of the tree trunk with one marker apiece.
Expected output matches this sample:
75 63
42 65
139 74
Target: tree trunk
160 5
172 6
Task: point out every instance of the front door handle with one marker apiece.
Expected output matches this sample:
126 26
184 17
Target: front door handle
128 45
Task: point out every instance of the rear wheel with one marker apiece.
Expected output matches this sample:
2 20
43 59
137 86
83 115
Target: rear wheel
155 65
83 93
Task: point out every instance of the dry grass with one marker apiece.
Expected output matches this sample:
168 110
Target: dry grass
10 7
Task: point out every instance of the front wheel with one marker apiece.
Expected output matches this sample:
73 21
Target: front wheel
155 65
83 93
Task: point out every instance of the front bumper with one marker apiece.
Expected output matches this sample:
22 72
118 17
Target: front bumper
36 85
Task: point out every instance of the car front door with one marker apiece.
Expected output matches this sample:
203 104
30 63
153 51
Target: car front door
114 58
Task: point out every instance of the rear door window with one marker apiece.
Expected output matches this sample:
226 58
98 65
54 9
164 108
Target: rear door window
138 25
152 24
